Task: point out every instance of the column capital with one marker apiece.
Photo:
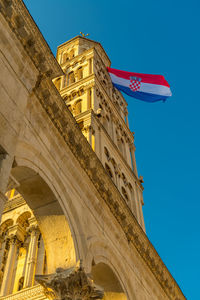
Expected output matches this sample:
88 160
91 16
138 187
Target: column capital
18 231
71 284
13 240
34 230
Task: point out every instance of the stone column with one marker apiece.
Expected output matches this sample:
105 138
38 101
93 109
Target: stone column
70 284
89 98
7 277
32 257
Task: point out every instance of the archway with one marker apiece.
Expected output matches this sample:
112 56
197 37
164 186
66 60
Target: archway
104 276
53 225
39 239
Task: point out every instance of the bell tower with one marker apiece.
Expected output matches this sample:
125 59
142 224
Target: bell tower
101 112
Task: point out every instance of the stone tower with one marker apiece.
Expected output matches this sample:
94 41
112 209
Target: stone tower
101 112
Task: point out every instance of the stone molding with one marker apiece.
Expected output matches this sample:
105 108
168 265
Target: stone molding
67 127
70 284
24 27
15 202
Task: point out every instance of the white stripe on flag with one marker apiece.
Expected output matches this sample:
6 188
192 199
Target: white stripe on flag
155 89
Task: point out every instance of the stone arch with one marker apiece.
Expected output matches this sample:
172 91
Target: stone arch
104 276
71 78
25 157
71 54
107 153
109 171
54 193
125 195
100 252
4 226
23 219
50 218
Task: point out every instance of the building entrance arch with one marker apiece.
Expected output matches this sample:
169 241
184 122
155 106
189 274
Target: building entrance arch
52 222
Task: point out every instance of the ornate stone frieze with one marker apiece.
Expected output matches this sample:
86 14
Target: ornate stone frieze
70 284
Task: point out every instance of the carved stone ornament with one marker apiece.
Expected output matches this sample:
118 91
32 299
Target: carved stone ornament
70 284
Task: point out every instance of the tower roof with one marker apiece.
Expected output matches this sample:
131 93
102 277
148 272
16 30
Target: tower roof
95 44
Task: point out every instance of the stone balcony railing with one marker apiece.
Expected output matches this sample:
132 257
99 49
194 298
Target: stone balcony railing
32 293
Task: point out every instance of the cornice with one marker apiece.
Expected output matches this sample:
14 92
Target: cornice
22 24
66 126
87 53
78 85
86 39
17 201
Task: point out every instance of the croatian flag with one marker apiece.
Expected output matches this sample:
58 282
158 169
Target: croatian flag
146 87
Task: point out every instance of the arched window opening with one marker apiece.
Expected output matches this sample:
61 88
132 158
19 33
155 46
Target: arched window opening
107 153
23 219
125 195
78 108
21 283
71 54
108 169
104 82
124 179
113 163
65 58
80 73
130 187
26 257
71 78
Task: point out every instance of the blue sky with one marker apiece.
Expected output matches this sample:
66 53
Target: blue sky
156 37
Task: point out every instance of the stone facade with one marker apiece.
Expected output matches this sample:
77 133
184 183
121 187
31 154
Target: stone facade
70 196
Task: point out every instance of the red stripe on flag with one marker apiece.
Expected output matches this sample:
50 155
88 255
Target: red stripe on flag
147 78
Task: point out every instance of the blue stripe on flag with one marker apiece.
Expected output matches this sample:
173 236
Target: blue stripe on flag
147 97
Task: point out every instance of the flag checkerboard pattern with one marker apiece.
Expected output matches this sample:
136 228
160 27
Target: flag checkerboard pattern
135 85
